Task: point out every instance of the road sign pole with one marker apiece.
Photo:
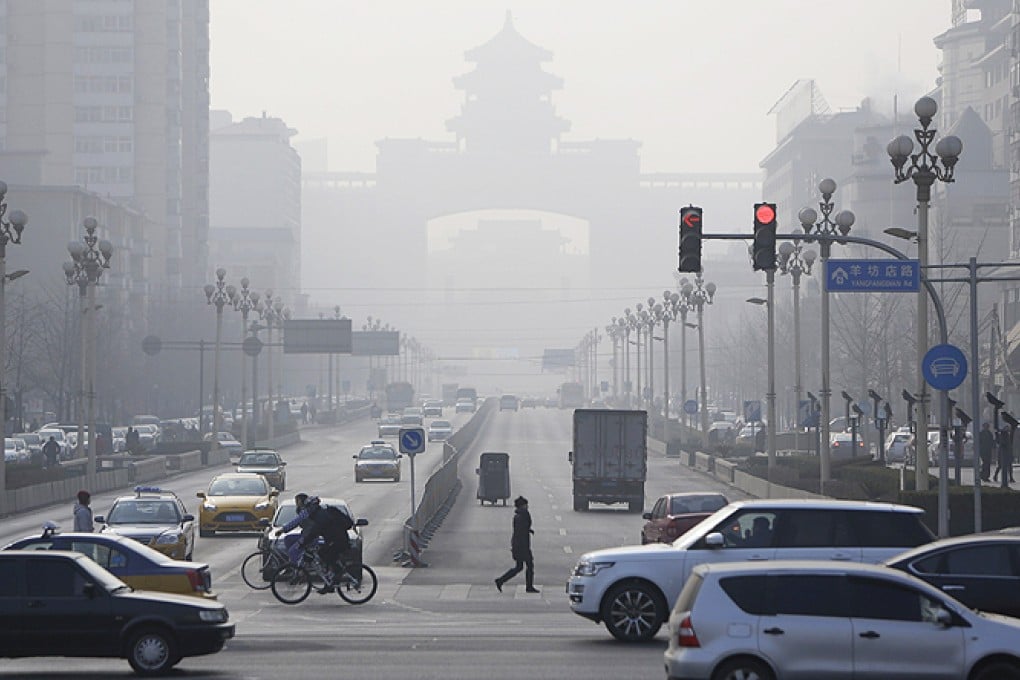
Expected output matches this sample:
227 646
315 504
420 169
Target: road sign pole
412 456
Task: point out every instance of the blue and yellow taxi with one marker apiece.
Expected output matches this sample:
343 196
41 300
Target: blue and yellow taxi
236 501
154 517
137 565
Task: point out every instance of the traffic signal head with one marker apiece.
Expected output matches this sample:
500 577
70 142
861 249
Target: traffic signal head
764 251
690 239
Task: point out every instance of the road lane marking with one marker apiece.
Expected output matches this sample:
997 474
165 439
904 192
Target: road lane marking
563 532
567 549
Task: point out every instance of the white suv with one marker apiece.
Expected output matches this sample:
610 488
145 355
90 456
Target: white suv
631 588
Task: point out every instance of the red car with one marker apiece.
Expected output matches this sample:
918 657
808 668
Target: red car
675 513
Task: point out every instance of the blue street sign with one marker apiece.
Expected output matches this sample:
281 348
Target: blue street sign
873 276
691 407
944 367
412 440
752 411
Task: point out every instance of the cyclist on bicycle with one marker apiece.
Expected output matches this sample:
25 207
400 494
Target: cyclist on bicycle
316 522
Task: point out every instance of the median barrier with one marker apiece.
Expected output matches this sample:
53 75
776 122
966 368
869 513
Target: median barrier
703 461
724 470
147 469
179 462
216 456
63 491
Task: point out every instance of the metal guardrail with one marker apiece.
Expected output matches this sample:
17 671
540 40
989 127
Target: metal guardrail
440 492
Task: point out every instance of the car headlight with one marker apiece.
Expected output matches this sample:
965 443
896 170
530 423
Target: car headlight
169 537
209 505
262 505
589 568
213 615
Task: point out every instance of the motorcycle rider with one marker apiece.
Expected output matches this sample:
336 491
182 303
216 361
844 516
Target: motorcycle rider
316 522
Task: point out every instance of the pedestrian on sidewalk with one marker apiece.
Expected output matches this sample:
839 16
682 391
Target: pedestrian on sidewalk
520 548
986 445
83 513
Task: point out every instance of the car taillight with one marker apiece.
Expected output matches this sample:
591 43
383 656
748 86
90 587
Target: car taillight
686 637
199 581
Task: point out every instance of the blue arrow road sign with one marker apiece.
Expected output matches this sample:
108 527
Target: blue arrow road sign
944 367
752 411
691 407
412 440
872 276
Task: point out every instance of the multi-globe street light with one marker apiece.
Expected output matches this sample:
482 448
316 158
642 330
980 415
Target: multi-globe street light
696 296
796 261
614 333
11 229
624 324
826 226
245 302
89 257
218 294
924 169
273 314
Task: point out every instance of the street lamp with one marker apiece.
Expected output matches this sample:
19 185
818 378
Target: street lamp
924 169
10 232
796 261
624 323
89 257
245 301
219 294
273 315
612 330
696 296
771 363
826 226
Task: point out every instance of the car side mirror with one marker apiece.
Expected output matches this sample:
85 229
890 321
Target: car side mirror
361 522
200 494
187 518
99 519
354 457
647 515
283 463
714 540
944 617
264 522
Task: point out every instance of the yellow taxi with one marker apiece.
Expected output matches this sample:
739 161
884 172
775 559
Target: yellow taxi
154 517
236 501
135 564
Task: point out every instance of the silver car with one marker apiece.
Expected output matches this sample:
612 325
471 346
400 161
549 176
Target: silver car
838 621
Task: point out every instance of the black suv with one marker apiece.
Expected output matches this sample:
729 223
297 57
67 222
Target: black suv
56 603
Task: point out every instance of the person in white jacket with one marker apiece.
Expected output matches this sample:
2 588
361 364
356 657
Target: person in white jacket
83 513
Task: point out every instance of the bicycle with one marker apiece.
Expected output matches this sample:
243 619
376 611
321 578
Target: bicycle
258 568
292 583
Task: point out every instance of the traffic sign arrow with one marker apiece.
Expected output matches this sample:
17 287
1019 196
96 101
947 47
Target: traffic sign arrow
691 219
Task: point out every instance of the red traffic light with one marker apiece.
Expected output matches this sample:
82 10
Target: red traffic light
765 213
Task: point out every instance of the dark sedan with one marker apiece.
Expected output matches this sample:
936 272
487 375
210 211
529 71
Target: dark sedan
980 570
267 463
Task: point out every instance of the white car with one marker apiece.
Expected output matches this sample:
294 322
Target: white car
16 450
226 440
896 445
440 430
631 588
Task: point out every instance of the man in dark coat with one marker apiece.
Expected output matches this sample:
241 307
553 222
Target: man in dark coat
986 445
520 548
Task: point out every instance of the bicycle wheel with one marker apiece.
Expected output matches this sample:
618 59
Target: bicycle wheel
291 584
362 592
258 568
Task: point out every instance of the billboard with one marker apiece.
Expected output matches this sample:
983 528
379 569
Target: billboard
375 343
317 336
557 359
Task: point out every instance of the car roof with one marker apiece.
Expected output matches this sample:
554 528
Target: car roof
821 504
722 569
238 475
141 492
989 538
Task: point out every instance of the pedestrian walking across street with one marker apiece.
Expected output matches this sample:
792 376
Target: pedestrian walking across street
520 548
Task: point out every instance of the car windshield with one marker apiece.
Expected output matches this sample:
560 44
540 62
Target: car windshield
238 487
289 511
440 425
410 420
681 505
144 512
260 459
376 453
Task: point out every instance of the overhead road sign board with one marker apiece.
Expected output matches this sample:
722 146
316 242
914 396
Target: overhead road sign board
317 336
873 276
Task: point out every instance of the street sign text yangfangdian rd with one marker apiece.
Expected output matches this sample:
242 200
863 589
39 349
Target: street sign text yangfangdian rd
872 276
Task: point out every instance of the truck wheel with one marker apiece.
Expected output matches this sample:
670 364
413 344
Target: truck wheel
580 504
636 506
633 611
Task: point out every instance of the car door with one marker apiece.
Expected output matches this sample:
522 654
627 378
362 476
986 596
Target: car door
982 576
896 636
653 528
809 634
60 617
12 602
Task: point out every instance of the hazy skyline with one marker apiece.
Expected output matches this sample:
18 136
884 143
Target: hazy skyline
685 79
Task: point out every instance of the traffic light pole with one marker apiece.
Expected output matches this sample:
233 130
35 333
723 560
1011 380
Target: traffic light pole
826 240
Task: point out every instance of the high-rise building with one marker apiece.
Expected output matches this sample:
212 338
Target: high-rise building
113 96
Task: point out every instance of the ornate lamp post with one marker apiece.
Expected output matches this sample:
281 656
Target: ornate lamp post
220 295
696 296
624 324
10 232
826 226
273 314
670 312
245 301
653 316
796 261
89 257
924 169
612 330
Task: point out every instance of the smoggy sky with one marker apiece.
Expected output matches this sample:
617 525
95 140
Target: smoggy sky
693 81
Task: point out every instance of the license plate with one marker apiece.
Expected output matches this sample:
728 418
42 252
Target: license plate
234 518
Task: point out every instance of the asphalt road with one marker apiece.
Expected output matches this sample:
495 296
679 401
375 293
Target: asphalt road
444 621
